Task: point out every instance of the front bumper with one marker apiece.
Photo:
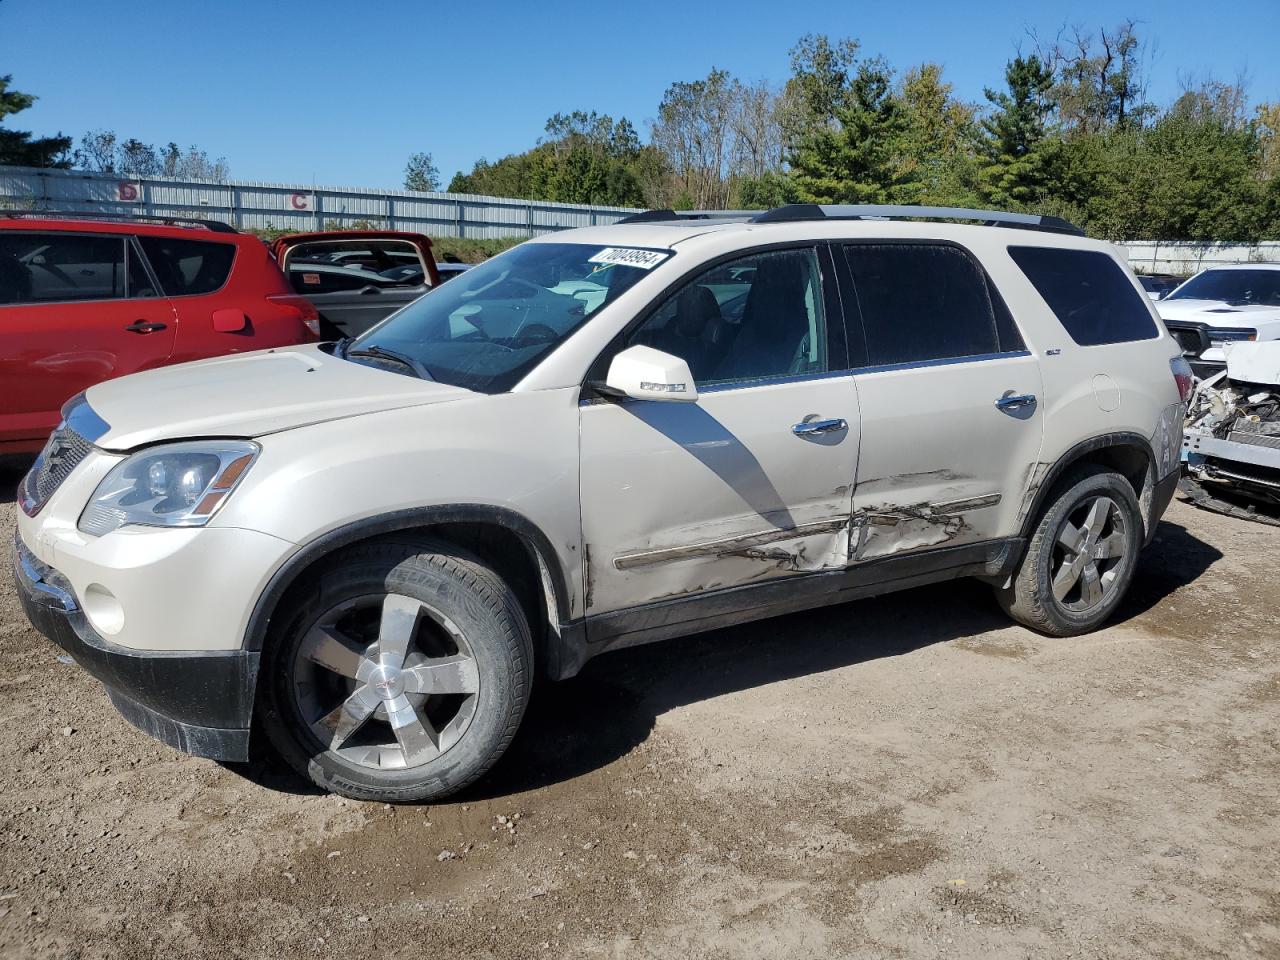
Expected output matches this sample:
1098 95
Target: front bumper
199 702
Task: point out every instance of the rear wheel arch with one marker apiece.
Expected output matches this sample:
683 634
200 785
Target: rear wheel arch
1128 454
515 548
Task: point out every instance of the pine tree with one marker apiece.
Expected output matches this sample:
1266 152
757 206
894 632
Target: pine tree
849 147
18 146
1016 169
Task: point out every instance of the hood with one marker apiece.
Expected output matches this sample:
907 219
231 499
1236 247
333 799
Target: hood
249 395
1254 362
1215 313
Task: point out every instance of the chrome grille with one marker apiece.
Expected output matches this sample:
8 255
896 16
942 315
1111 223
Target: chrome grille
60 456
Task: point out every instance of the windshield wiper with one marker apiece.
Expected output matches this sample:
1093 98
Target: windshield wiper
382 353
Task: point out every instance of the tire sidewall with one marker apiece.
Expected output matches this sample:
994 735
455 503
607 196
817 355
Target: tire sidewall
1118 489
504 680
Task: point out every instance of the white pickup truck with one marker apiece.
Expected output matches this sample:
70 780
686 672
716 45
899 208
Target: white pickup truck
1223 305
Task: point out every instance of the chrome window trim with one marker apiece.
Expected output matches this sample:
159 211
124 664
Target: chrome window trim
833 374
855 371
943 362
772 381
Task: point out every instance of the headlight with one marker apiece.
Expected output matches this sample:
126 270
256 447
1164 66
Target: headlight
181 485
1220 335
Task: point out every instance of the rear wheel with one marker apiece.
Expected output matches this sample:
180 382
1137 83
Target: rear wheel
1082 556
400 673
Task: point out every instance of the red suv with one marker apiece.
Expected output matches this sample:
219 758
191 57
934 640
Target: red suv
86 299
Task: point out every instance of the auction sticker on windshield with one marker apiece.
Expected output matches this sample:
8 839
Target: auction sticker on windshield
630 257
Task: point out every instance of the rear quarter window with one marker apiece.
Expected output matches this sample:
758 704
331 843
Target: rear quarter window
188 267
1089 293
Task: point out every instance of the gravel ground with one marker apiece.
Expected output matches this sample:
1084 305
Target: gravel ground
900 777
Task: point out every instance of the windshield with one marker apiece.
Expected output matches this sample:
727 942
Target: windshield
494 323
1233 286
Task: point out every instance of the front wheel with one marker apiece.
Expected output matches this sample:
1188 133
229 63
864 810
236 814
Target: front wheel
400 672
1082 556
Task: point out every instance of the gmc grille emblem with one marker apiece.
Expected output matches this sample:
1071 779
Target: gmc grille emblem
57 450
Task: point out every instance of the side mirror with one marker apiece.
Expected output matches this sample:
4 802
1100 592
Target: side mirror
643 373
229 321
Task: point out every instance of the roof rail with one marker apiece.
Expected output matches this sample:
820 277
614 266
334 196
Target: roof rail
872 211
214 226
669 216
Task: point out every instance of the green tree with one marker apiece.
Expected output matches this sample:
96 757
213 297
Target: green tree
420 173
585 158
1099 81
20 147
1015 171
939 145
848 147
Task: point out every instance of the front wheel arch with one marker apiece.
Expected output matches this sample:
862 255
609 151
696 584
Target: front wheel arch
515 546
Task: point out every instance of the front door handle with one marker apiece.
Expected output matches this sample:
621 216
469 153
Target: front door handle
145 326
1015 401
810 428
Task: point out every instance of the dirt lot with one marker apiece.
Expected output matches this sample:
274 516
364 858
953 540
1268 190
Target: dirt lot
909 776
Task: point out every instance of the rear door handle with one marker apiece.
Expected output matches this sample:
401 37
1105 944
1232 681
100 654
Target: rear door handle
145 326
1015 401
809 428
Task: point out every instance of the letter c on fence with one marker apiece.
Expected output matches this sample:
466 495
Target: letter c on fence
299 201
126 190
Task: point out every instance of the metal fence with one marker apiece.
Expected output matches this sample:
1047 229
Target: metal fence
1184 259
282 206
296 207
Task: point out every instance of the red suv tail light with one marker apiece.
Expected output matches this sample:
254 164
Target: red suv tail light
303 307
1182 376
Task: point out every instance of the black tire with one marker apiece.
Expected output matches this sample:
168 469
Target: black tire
451 584
1030 597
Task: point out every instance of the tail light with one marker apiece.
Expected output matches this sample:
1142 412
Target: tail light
1182 376
301 307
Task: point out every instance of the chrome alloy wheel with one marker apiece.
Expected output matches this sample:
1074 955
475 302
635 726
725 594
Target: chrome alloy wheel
1088 554
386 681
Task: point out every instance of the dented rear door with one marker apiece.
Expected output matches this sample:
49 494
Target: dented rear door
950 398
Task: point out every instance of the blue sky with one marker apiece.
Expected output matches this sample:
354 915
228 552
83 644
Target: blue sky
342 92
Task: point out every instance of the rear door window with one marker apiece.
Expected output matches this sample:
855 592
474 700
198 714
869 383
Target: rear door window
1089 293
188 267
58 268
926 301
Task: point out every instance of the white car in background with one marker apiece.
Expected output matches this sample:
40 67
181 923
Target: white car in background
1223 305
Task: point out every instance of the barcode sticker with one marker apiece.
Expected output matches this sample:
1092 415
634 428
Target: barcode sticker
630 257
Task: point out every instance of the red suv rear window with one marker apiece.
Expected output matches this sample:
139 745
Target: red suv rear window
187 267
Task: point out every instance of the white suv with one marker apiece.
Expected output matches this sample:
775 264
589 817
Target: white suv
600 438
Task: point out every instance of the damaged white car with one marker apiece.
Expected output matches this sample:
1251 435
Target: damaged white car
1232 441
367 550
